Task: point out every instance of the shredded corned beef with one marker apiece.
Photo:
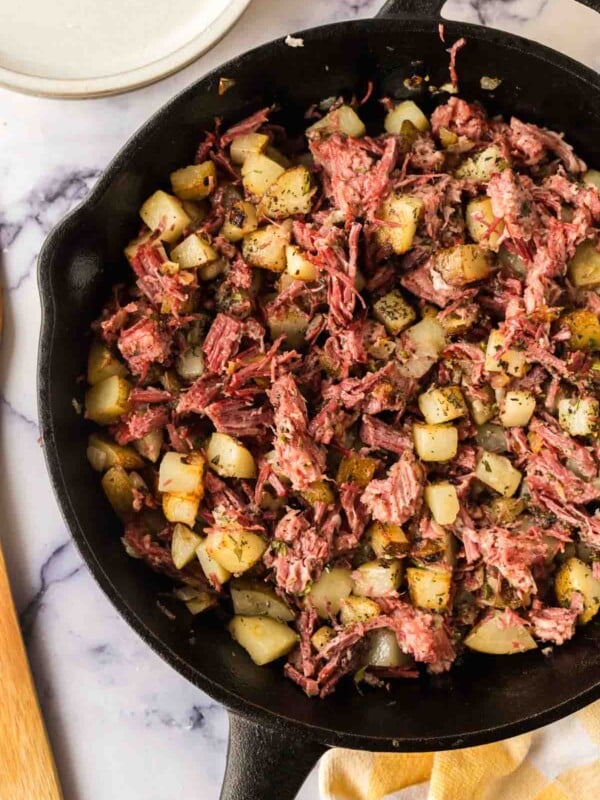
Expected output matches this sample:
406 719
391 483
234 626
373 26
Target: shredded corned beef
143 344
556 625
299 458
397 497
330 443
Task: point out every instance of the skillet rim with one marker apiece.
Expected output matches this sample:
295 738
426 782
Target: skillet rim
232 700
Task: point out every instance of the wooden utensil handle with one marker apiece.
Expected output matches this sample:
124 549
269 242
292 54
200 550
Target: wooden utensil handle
27 770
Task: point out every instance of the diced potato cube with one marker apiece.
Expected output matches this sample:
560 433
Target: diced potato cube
426 552
584 267
265 247
429 587
150 445
291 322
442 501
575 575
259 172
264 639
341 120
298 264
184 545
387 540
435 442
482 165
357 469
240 219
243 146
291 193
163 212
482 224
384 650
197 212
517 409
442 405
394 312
499 635
181 473
229 458
447 137
321 637
196 600
506 509
118 491
319 492
212 270
214 572
194 251
103 364
103 453
579 416
401 214
585 329
256 599
592 178
498 359
235 549
151 238
498 473
194 182
407 110
107 400
358 609
482 408
181 507
276 155
427 337
201 602
377 578
329 591
463 264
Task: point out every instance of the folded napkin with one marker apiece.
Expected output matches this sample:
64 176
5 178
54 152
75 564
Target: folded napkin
559 762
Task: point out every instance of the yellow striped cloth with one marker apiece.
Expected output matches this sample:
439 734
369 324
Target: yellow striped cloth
559 762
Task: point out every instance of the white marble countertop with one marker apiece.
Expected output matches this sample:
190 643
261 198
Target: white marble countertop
123 724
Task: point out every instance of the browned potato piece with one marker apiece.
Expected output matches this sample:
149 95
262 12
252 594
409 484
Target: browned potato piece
584 267
429 588
103 454
107 400
463 264
242 146
291 193
341 120
103 364
319 492
194 182
164 213
585 329
266 247
387 540
479 218
118 491
394 312
240 219
402 213
356 469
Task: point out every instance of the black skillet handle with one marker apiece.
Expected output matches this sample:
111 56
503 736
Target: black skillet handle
412 9
266 763
431 9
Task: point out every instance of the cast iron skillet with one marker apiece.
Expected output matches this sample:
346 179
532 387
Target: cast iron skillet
276 732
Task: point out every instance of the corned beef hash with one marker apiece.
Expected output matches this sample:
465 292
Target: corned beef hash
350 401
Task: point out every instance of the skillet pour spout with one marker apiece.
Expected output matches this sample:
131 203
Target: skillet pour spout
277 733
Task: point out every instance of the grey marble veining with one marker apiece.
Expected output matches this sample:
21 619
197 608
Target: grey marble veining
123 724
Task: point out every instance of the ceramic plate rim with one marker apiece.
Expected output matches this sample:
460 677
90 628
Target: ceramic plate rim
104 85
